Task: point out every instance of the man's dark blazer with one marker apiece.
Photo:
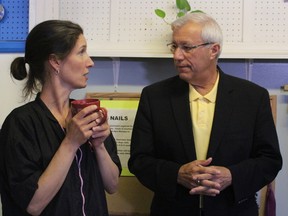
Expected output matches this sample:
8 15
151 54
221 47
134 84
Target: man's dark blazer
243 139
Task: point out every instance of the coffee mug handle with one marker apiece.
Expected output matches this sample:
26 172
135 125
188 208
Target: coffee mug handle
104 113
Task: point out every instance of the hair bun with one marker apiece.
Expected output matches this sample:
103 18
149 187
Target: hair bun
18 69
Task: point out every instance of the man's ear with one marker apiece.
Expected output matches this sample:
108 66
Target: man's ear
54 61
215 49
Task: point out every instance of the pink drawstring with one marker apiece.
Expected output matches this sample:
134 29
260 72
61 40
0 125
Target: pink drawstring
81 179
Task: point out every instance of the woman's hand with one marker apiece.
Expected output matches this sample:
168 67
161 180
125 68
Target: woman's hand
79 128
100 133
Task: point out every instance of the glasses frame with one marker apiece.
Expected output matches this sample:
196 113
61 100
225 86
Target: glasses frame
186 48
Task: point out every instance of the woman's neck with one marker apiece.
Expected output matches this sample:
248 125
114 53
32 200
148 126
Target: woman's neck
58 103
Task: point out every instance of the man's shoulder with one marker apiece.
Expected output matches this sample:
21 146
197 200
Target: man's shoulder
166 83
237 82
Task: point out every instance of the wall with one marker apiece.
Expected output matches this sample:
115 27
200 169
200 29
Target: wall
135 73
10 90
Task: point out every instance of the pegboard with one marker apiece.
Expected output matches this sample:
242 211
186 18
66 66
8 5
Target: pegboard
251 28
136 22
14 26
94 17
270 20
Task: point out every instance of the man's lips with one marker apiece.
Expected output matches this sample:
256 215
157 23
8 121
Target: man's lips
182 66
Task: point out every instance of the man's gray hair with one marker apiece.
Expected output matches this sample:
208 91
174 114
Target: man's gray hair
211 31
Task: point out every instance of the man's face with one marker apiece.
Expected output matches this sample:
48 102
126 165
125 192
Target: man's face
192 55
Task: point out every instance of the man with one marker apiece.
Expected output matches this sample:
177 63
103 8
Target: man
204 142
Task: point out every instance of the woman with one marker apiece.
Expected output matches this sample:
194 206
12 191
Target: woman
53 163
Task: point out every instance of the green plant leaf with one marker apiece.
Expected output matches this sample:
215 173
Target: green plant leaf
180 14
160 13
183 5
196 11
180 4
187 5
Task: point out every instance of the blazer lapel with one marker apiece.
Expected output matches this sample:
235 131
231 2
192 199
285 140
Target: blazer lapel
181 109
223 110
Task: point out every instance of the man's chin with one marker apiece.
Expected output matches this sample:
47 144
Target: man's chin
184 76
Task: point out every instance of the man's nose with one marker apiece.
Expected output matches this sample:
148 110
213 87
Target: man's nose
178 54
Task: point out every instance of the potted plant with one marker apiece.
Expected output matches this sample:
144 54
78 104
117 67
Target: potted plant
183 7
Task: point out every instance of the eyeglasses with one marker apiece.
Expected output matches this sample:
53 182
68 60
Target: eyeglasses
186 48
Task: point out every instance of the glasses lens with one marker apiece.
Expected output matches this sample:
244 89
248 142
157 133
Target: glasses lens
172 47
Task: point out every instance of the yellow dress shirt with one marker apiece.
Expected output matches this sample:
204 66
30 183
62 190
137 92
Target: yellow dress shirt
202 113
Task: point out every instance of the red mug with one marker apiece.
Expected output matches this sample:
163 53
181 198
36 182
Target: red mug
78 105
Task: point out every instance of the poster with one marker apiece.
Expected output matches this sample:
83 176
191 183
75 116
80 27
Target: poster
122 108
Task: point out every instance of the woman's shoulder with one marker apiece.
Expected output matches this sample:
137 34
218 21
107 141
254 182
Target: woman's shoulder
25 109
23 114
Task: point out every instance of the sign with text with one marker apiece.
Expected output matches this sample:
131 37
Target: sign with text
122 108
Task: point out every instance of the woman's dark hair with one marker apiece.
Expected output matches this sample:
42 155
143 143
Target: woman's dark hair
56 37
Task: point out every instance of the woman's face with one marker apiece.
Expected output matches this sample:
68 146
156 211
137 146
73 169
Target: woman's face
75 67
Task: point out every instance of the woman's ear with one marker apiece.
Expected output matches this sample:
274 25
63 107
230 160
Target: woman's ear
54 62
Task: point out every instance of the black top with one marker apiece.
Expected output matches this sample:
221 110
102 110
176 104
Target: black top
29 138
